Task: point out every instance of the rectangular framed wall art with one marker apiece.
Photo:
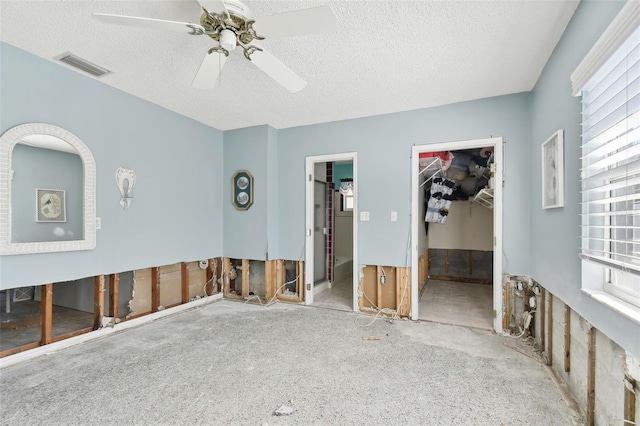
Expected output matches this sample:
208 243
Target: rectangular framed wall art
553 171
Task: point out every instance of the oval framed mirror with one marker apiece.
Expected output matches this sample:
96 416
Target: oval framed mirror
47 191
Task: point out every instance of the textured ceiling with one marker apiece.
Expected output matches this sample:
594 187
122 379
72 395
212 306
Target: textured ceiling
386 56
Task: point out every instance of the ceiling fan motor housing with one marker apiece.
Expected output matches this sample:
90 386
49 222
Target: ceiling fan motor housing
238 20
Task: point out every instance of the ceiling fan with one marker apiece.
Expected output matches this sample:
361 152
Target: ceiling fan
231 24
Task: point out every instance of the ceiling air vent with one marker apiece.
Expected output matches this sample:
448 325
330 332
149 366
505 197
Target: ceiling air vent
83 64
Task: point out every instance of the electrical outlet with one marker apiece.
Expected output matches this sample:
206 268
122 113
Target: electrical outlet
364 216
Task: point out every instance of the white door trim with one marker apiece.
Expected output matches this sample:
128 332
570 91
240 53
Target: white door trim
496 143
308 252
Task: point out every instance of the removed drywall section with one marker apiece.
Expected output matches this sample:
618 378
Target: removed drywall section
461 265
609 376
590 364
257 277
368 289
385 289
78 294
285 278
125 293
141 296
198 278
170 285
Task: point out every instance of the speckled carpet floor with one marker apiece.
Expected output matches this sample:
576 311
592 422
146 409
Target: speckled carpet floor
234 363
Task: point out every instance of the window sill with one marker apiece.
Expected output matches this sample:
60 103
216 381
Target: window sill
620 306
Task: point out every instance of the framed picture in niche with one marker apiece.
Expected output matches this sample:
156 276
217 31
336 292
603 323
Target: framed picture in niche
50 205
553 171
242 190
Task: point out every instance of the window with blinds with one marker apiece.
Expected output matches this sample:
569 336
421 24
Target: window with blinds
610 172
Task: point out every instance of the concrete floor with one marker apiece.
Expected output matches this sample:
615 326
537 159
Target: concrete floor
446 302
235 363
22 325
457 303
339 296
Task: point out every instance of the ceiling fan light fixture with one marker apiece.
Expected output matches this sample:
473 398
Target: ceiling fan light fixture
228 40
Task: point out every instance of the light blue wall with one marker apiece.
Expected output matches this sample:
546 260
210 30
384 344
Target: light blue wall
45 169
176 214
246 232
555 233
384 145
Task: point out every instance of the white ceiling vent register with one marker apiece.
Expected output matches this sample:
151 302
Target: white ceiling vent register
82 64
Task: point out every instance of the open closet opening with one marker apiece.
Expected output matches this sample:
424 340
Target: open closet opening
458 264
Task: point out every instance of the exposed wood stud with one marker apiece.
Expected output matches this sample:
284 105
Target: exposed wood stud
379 287
219 275
446 260
403 291
567 338
361 289
506 318
245 278
269 285
591 376
184 281
398 289
542 310
300 280
46 313
98 301
226 285
629 400
209 287
281 275
19 349
550 332
155 289
114 284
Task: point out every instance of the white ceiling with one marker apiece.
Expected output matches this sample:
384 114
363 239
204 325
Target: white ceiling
386 56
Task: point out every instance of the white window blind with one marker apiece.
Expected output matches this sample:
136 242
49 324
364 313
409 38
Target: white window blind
611 163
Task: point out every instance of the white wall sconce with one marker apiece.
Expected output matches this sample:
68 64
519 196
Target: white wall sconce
126 180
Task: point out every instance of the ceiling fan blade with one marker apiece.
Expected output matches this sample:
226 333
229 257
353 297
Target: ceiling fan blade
214 6
317 20
209 71
156 24
278 71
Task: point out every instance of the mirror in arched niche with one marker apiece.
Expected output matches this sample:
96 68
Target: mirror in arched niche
47 191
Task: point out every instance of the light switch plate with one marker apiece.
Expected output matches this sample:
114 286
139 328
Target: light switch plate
394 216
98 223
364 216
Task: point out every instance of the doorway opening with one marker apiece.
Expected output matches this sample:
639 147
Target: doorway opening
331 231
457 233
